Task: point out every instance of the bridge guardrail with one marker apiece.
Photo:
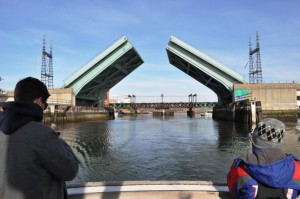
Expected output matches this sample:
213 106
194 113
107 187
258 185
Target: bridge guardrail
163 105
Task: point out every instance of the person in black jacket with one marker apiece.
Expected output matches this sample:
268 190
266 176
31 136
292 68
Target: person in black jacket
34 161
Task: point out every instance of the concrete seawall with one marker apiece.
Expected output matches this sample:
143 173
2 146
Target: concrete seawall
76 114
79 113
278 100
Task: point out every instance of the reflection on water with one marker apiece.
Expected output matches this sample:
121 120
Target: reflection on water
160 148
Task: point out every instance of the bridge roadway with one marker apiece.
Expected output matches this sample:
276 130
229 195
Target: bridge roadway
164 105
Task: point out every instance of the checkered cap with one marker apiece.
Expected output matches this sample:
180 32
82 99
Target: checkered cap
268 133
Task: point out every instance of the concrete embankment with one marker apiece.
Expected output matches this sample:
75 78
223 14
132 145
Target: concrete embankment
278 100
77 113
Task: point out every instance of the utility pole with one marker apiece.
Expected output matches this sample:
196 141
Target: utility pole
47 66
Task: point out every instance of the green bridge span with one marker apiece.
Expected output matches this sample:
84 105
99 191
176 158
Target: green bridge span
91 83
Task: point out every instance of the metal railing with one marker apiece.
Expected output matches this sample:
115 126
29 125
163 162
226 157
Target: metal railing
163 105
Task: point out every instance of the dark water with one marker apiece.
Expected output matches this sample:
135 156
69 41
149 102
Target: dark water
156 148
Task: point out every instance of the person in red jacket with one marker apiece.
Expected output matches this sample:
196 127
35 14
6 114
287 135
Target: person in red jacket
266 172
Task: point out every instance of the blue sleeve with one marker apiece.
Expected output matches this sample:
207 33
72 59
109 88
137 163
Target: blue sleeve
248 192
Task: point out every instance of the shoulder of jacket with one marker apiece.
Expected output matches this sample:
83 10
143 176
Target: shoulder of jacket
37 129
39 125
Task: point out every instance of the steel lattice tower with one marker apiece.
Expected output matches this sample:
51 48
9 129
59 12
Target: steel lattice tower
255 71
47 66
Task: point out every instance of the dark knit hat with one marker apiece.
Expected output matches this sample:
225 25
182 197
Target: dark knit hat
268 133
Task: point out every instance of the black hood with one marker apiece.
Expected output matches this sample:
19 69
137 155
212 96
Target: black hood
16 114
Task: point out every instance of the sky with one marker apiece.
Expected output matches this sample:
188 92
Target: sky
79 30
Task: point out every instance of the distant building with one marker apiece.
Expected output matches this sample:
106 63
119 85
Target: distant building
298 99
113 100
126 100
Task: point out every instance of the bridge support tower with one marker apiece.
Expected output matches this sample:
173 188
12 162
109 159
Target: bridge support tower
192 100
47 66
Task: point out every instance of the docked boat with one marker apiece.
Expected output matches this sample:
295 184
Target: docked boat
116 112
149 190
208 113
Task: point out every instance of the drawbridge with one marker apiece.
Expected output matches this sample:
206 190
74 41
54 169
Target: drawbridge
203 68
91 82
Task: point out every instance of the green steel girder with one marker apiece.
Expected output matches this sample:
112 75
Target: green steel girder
203 68
92 81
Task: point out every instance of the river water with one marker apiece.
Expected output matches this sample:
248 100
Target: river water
144 147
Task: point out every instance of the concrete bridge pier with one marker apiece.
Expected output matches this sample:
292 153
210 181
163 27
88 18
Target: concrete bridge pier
246 111
191 112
